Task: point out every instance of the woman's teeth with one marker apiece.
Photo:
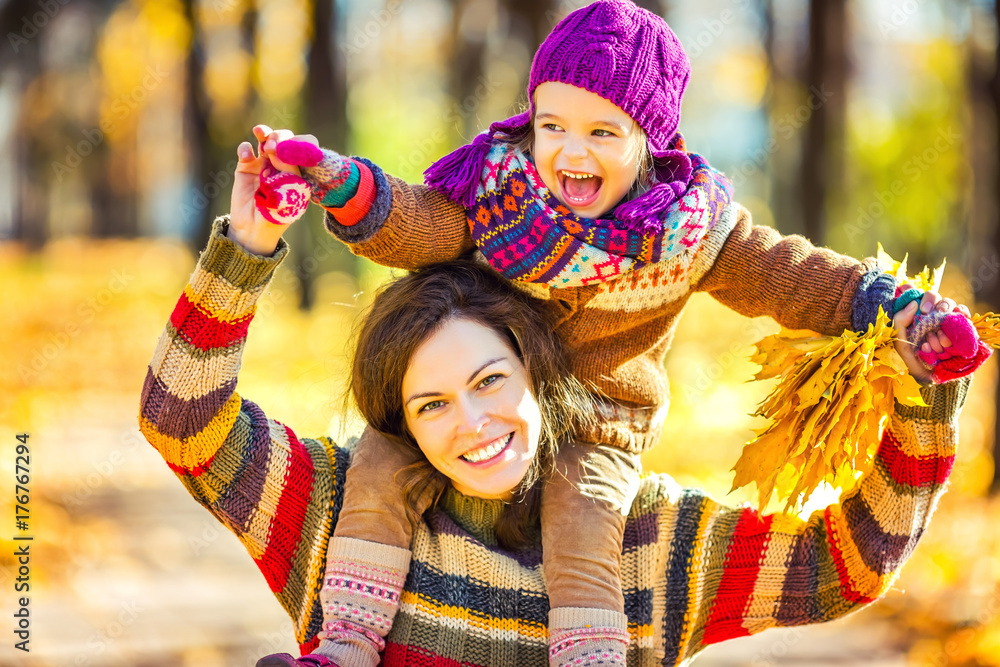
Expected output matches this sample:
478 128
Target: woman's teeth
489 451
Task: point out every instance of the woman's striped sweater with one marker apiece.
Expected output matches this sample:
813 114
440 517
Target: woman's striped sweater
694 572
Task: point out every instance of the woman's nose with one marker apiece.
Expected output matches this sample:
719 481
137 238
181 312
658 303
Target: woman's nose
472 418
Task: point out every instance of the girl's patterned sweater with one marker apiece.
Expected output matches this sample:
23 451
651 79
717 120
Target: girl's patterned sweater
694 572
618 331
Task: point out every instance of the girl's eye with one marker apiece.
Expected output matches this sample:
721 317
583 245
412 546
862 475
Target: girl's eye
551 126
490 379
603 133
433 405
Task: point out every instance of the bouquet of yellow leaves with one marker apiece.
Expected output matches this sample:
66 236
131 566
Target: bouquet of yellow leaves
827 412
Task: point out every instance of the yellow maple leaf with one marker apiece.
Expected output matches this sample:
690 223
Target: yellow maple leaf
826 413
925 280
988 327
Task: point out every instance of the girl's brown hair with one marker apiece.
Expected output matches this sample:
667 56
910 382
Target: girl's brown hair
406 312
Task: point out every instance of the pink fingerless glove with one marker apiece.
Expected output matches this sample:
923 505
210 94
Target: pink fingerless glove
967 352
326 171
281 198
341 185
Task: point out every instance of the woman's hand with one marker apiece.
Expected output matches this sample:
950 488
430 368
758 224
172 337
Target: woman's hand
936 341
247 225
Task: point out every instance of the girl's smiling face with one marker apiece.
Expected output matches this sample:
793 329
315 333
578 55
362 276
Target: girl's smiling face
586 149
467 404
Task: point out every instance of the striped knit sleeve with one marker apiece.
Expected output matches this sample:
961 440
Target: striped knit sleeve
407 226
742 572
275 491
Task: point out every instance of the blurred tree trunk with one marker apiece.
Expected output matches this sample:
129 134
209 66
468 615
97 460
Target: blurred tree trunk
783 195
115 209
988 150
196 126
469 29
326 117
826 80
655 6
30 209
533 19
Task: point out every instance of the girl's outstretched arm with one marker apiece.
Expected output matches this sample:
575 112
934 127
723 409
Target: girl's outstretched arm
380 217
756 271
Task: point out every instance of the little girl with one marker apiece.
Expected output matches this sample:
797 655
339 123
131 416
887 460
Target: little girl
590 202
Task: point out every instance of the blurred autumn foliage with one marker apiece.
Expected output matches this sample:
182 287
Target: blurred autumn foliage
854 121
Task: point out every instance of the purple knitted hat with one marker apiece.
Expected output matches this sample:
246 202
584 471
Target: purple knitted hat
624 53
613 48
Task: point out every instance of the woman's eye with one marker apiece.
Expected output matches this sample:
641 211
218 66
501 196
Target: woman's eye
433 405
490 379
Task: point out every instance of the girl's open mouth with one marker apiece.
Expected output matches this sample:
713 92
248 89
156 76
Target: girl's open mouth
580 189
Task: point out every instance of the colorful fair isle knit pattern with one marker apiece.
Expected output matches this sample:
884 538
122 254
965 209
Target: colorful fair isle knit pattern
527 235
578 647
694 572
587 638
360 597
281 198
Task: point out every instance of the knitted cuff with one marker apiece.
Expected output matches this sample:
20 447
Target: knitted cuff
226 258
904 300
336 197
943 402
374 216
875 289
348 210
360 597
580 636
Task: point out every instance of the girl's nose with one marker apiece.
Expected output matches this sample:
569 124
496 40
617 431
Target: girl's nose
574 147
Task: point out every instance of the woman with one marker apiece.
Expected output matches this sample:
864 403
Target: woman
695 572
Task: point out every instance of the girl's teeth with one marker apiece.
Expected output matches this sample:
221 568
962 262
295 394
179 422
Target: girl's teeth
487 452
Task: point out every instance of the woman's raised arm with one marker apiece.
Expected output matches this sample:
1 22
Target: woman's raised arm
743 572
278 493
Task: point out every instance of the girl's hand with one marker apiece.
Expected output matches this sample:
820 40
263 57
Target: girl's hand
936 342
269 140
247 226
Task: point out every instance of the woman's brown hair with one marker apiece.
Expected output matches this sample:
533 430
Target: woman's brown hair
406 312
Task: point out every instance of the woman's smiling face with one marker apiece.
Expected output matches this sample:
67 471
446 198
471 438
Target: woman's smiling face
586 149
468 404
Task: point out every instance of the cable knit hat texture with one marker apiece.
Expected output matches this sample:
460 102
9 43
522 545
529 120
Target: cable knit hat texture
615 49
624 53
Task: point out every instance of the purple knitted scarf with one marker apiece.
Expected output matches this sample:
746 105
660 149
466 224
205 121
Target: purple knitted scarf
527 234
